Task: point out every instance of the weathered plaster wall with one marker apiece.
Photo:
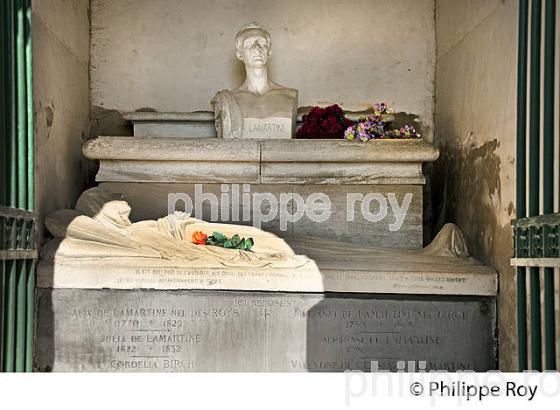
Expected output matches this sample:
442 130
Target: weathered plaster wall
475 128
61 101
174 55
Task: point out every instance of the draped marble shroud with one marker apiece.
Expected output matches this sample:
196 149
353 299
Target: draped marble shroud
100 227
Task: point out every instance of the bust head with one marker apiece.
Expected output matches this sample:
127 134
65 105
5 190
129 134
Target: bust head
259 107
253 45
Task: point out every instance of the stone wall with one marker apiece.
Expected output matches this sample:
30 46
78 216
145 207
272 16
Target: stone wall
174 55
61 101
475 123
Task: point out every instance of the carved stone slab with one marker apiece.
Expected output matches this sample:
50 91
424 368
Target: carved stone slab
151 201
198 124
383 276
187 160
160 331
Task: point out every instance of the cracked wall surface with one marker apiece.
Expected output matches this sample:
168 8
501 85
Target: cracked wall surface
61 102
475 128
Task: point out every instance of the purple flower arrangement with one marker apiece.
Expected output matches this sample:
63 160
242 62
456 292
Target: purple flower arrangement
377 126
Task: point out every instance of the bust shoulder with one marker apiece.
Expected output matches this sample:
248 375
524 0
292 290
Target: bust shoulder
290 92
221 95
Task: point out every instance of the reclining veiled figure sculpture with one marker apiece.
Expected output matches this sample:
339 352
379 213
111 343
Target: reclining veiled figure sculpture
100 227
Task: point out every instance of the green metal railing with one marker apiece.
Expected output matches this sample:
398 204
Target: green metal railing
18 252
536 235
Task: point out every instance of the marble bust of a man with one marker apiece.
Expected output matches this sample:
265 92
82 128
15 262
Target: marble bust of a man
258 108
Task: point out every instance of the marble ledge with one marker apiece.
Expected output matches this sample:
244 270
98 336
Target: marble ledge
208 116
294 150
140 159
331 267
105 273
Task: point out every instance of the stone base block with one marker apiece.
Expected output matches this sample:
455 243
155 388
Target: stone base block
164 331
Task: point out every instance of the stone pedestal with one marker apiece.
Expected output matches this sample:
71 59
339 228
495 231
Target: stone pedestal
172 125
359 305
164 331
148 170
199 124
363 305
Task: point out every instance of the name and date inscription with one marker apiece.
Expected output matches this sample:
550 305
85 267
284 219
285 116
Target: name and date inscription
175 339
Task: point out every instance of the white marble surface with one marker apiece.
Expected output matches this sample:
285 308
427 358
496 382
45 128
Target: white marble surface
208 116
137 159
343 268
197 124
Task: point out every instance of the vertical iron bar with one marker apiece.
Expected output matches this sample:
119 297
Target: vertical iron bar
21 281
3 168
522 318
21 108
10 316
521 175
30 305
3 118
10 279
2 301
11 115
21 304
548 175
534 189
30 317
29 88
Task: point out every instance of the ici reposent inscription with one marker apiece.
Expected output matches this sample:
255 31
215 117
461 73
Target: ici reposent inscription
237 331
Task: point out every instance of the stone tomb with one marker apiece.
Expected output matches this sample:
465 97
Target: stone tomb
147 170
363 304
120 314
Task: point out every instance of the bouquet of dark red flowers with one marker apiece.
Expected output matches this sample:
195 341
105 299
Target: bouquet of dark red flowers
328 122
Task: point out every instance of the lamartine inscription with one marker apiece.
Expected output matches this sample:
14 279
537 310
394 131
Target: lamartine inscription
266 128
236 331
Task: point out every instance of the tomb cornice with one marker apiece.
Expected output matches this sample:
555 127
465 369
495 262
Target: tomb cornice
142 159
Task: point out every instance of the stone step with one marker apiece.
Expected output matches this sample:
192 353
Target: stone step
198 124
